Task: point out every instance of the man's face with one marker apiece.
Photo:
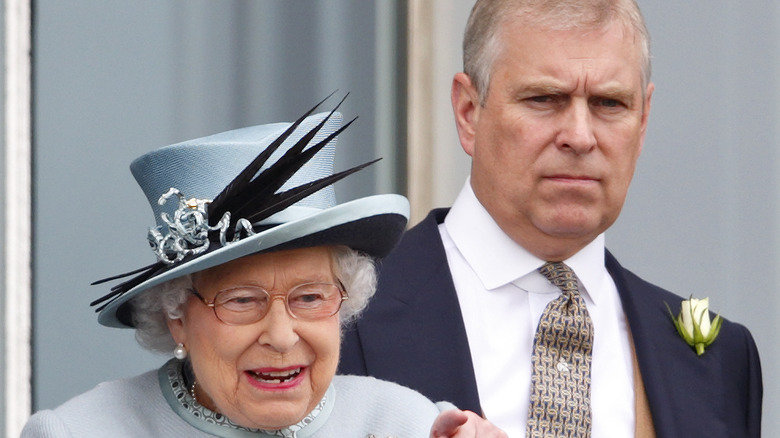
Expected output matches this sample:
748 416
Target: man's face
556 142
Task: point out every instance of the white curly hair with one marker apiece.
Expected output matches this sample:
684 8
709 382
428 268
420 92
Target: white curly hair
150 309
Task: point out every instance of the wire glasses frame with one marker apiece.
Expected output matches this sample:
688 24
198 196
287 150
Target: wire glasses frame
243 305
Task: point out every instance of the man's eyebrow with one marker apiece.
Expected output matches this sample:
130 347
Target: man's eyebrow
541 86
617 91
620 93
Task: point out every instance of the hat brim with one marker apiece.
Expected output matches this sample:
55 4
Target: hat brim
372 225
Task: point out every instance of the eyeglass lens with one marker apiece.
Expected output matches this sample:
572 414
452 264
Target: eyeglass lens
249 304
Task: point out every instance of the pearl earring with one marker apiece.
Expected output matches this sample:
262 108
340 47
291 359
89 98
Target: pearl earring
180 352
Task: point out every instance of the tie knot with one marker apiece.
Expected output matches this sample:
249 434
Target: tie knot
560 275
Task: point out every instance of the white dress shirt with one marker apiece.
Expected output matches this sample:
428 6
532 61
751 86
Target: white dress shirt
502 297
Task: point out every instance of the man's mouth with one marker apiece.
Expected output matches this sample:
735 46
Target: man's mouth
276 376
572 177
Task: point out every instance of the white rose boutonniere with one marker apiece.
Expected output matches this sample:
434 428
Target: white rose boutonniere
694 325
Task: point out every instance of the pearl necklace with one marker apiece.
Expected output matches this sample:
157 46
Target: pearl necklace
192 391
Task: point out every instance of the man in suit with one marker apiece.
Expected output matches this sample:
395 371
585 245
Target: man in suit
552 107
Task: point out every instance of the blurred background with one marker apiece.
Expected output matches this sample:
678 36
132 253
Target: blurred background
112 80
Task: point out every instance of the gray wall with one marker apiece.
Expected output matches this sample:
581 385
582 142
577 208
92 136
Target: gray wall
114 79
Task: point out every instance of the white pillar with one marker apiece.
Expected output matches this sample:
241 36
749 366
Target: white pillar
18 216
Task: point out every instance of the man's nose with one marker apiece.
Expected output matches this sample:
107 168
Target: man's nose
576 132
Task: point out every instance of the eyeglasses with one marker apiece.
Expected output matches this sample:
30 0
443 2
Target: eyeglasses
249 304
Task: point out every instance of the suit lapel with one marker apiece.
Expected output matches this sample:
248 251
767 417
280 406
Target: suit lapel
416 336
682 389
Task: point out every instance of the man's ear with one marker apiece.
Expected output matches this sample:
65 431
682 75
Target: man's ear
466 106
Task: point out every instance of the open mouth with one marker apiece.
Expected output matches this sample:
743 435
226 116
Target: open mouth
276 377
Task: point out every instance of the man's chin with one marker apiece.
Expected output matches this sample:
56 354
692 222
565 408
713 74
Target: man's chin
572 227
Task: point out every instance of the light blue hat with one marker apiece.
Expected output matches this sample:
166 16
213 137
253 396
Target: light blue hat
241 192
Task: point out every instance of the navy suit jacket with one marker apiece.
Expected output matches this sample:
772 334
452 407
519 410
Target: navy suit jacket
412 333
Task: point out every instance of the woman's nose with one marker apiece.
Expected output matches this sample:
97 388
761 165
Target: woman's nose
278 327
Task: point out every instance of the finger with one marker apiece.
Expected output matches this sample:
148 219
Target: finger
447 423
477 426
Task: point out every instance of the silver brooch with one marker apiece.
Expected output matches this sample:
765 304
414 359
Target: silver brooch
188 230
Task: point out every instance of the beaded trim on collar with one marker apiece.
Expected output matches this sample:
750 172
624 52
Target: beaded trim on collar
174 371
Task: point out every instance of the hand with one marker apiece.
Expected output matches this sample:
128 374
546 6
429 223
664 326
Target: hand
455 423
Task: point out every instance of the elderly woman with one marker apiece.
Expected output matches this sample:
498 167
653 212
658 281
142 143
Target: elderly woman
255 276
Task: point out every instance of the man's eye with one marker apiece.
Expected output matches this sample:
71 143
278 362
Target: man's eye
541 99
542 102
608 103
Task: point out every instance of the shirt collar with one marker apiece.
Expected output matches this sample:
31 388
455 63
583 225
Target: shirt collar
497 260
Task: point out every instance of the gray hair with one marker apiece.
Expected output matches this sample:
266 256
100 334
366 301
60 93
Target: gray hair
153 307
481 42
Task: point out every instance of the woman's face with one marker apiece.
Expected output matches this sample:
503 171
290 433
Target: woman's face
272 373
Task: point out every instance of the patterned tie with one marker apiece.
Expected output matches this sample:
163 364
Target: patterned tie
560 380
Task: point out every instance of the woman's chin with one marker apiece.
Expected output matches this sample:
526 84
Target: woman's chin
272 415
268 406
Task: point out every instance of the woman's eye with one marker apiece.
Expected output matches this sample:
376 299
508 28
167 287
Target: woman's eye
241 301
308 299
